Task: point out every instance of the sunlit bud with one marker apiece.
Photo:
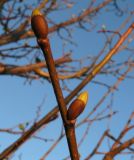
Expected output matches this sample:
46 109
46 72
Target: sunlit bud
77 106
39 24
21 127
83 97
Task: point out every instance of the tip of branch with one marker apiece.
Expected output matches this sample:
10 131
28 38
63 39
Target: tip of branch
36 12
83 97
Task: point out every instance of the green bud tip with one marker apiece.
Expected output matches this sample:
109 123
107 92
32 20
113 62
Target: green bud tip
36 12
83 97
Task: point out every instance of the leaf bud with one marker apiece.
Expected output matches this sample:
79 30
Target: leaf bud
77 106
39 24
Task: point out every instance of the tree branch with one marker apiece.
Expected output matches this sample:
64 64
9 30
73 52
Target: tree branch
12 148
110 155
28 34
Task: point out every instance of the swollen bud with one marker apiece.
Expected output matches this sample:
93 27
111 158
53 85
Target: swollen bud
39 24
77 106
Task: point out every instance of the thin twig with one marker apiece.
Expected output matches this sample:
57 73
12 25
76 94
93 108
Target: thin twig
111 154
97 146
69 128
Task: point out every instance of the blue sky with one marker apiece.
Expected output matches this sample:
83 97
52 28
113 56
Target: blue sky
20 99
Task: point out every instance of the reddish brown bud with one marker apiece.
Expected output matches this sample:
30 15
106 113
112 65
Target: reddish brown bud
75 109
39 24
77 106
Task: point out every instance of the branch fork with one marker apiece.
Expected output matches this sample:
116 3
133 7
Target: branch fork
40 28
